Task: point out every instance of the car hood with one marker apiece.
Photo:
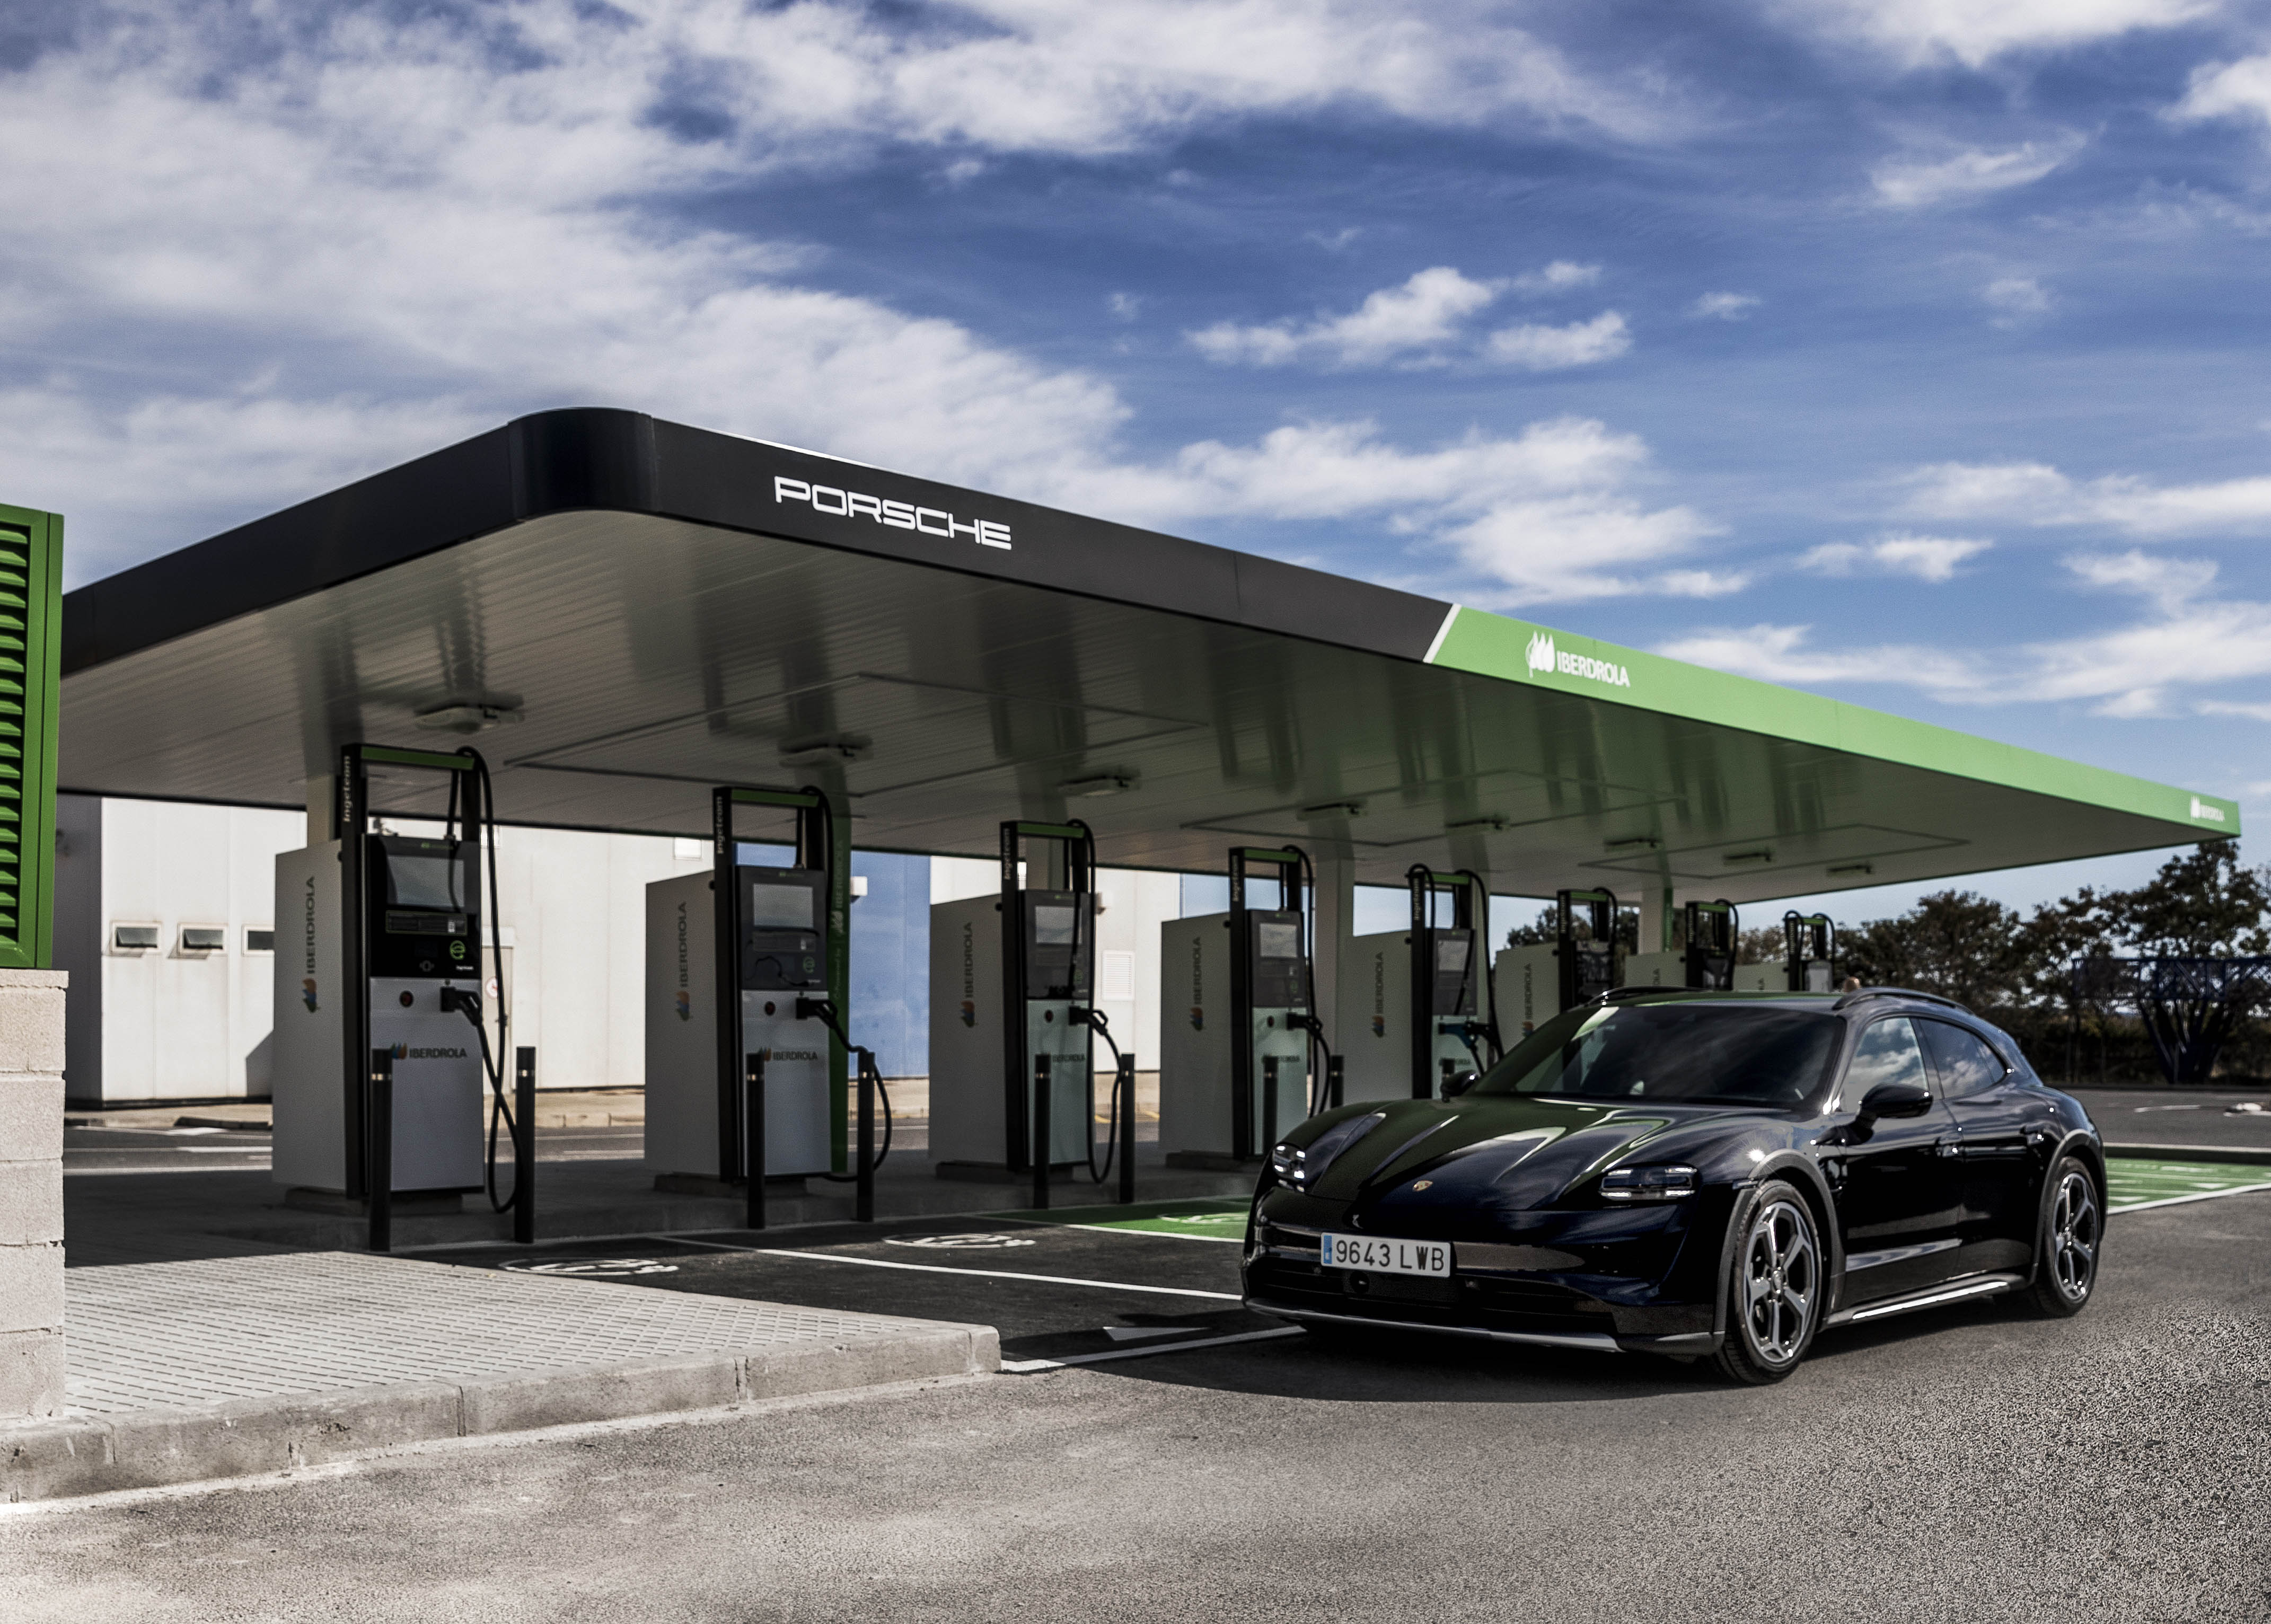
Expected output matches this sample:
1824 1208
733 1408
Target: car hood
1508 1152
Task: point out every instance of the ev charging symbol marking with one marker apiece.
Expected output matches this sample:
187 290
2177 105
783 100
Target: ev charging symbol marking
960 1243
596 1268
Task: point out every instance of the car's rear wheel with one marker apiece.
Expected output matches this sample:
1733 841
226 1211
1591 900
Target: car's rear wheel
1776 1286
2072 1233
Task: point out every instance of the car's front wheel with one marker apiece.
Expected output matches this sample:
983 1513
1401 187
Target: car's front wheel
1776 1285
2073 1230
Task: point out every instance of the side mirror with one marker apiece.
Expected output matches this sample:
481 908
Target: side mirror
1895 1100
1453 1087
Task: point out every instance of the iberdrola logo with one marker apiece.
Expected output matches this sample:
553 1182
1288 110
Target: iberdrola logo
1541 650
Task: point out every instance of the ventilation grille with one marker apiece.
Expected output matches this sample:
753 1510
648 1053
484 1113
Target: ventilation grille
30 616
17 577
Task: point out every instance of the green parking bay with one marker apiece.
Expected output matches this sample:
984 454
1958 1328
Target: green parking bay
2133 1182
1213 1219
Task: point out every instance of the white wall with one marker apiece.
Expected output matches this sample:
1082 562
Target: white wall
162 1024
165 1023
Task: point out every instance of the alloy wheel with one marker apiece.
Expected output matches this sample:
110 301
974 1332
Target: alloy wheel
1780 1281
2074 1235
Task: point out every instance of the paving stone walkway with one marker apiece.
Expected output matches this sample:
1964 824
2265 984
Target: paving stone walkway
144 1336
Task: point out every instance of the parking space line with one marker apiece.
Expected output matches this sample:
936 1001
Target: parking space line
989 1274
1035 1366
2112 1209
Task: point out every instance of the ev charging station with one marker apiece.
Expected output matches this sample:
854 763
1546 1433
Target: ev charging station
1810 949
1537 981
1012 1082
1235 1068
1705 959
380 1049
1416 1010
746 971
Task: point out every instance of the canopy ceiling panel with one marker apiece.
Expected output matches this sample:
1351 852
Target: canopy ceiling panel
664 609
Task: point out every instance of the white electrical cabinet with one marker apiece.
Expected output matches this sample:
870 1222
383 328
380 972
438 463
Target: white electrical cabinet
436 1140
1527 983
969 1103
1375 1025
1655 969
682 1120
1198 1035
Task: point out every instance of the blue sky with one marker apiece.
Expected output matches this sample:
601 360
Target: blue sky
1911 351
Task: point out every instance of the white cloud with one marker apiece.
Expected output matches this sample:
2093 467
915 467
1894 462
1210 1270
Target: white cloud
2015 298
2184 641
1124 306
1553 349
2239 89
1975 32
1558 278
1915 182
2038 494
1928 558
1783 654
2169 582
1725 307
252 259
1409 324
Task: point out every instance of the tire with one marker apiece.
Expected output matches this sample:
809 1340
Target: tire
2069 1239
1777 1288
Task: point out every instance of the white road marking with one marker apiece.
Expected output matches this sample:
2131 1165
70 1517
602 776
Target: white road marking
988 1274
1035 1366
2178 1201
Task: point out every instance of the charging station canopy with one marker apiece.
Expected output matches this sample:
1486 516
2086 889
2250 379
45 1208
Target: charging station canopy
626 611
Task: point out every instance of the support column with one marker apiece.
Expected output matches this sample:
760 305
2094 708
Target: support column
31 1193
1336 916
323 792
1656 913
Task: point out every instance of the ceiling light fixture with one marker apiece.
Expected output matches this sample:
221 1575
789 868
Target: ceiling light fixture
1489 823
1632 843
816 752
1331 809
1104 784
1760 855
467 717
1852 869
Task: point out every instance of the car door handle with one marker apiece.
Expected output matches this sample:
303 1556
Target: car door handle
1947 1147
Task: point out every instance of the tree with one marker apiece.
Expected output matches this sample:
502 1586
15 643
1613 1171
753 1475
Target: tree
2202 904
1958 944
1762 944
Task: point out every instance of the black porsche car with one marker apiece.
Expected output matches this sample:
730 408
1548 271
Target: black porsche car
1699 1174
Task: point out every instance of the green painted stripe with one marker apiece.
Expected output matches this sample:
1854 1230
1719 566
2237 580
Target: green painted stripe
1220 1218
1494 645
2132 1182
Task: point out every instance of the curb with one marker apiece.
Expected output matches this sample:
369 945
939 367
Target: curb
147 1449
2192 1152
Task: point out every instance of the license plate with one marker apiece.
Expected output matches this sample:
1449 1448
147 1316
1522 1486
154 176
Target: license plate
1380 1257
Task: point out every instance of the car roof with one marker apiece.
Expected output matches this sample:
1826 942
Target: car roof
1855 1004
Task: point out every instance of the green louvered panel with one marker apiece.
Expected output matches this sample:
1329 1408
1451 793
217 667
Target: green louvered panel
31 584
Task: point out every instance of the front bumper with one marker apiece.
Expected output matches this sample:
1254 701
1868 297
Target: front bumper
1639 1279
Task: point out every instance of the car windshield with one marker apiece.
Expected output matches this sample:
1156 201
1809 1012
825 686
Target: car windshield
1720 1053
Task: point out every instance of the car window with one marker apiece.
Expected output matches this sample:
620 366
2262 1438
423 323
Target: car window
1965 1064
1888 1052
1733 1054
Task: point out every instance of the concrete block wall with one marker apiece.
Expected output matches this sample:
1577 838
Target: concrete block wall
31 1193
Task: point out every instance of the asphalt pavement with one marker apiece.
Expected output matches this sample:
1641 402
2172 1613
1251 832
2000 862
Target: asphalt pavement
1971 1463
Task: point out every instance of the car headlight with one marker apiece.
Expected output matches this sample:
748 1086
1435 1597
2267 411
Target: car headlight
1302 1166
1668 1183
